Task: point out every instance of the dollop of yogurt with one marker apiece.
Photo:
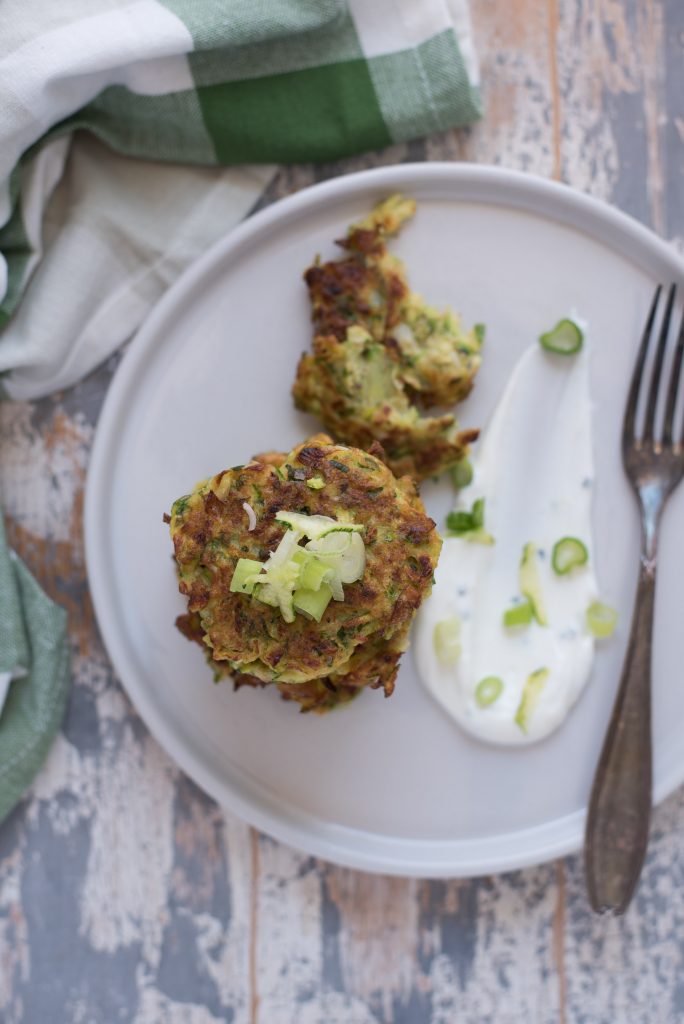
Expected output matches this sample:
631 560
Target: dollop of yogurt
534 469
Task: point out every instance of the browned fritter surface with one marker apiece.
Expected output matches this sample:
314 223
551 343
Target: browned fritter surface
380 355
241 634
340 290
374 665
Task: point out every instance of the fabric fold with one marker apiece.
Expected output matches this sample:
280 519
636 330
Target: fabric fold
34 652
206 98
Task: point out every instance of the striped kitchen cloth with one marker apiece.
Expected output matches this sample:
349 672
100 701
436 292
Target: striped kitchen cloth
89 239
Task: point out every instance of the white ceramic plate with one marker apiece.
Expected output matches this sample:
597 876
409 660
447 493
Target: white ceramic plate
390 786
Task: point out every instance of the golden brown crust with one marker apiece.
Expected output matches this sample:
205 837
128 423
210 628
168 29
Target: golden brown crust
317 695
368 324
210 533
420 446
375 665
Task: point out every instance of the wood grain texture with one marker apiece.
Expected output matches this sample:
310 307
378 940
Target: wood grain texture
127 895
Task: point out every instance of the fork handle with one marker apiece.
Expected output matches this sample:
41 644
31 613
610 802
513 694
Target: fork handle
620 804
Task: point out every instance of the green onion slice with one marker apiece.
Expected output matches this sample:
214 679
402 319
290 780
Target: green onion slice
565 339
242 581
315 527
459 522
470 525
462 474
312 603
518 615
445 639
488 690
601 620
530 583
568 553
304 579
532 691
478 513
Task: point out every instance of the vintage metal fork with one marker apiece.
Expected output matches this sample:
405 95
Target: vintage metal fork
620 805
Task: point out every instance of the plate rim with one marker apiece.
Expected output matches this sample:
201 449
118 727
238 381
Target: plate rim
340 844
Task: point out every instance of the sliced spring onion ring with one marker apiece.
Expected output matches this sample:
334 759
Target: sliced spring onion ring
315 483
312 603
241 583
353 560
601 620
518 615
285 550
459 522
565 339
345 552
530 584
462 474
488 690
304 579
568 553
478 513
532 691
314 527
276 584
445 639
313 572
470 525
251 515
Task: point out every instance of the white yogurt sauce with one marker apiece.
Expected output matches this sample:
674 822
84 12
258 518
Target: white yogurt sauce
534 468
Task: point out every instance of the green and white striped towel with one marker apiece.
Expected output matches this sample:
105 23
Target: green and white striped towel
89 239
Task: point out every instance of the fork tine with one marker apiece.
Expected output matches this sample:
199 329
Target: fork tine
674 388
629 425
656 372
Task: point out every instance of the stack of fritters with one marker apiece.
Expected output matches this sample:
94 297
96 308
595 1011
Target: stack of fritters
358 641
380 354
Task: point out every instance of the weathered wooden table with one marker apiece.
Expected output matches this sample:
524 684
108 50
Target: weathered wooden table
127 895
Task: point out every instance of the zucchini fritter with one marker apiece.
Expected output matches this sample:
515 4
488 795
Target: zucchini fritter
358 641
374 665
380 353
